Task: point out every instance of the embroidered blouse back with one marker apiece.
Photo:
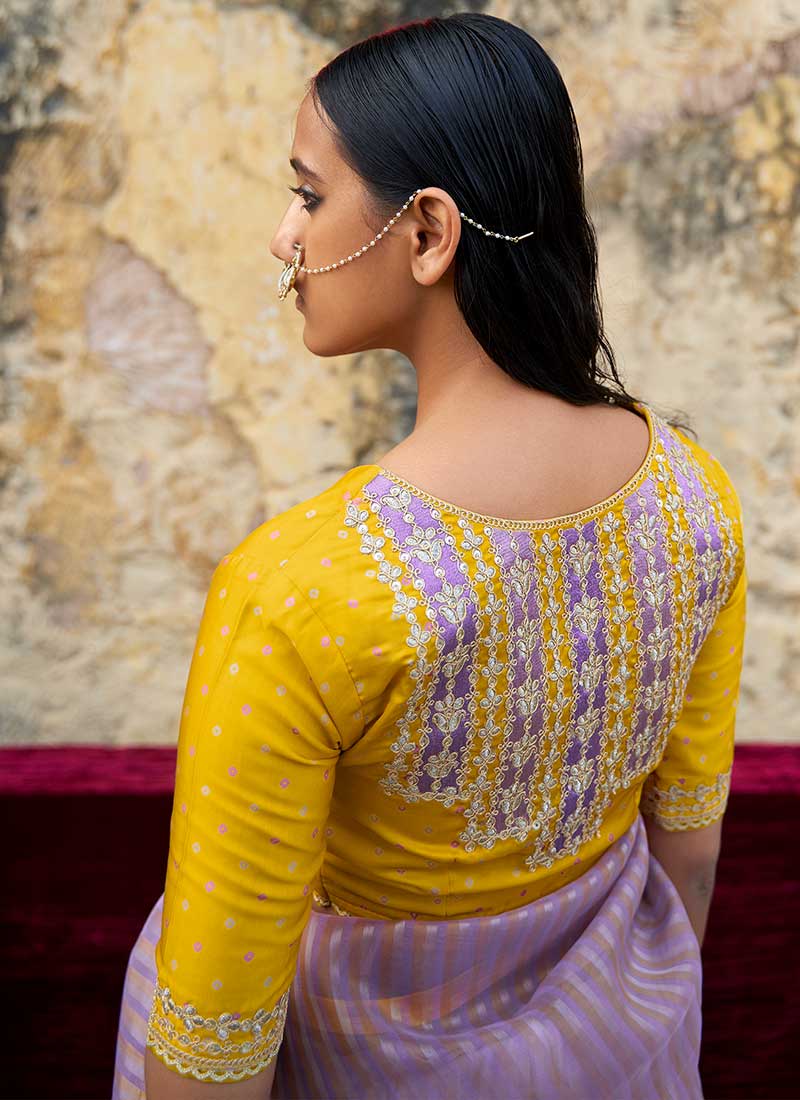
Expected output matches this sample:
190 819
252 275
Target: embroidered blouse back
406 709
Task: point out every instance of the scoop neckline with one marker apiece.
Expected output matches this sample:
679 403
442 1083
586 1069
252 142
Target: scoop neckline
569 518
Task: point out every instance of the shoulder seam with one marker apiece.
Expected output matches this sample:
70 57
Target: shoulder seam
272 569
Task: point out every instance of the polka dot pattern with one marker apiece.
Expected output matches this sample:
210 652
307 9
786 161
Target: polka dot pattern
290 714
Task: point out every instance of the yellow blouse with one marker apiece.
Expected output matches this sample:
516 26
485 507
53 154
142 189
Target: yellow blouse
407 709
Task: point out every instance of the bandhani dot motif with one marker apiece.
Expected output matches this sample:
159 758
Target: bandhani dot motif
289 601
324 686
293 865
313 593
266 650
258 610
303 811
185 905
183 807
252 576
230 922
209 887
234 669
225 630
280 922
216 730
232 770
223 592
325 640
249 956
198 946
216 984
339 639
192 750
205 790
246 708
223 828
196 847
281 689
284 782
274 534
204 689
201 650
325 561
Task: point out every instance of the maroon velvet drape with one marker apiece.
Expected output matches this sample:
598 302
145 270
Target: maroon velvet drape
85 833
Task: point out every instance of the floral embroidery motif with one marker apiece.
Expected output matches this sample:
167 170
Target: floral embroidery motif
678 808
213 1054
551 657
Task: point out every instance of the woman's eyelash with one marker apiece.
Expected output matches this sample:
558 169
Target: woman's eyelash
312 199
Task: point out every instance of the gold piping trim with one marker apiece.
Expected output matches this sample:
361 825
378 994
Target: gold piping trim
539 524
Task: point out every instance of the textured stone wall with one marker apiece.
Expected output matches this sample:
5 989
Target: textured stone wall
157 401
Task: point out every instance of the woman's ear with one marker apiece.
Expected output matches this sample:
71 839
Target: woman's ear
435 233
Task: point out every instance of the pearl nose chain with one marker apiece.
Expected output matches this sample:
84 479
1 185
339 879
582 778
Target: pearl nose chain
287 277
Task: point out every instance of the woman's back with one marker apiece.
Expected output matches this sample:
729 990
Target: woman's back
403 711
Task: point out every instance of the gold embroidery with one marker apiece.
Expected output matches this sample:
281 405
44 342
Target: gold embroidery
218 1057
677 808
493 721
328 903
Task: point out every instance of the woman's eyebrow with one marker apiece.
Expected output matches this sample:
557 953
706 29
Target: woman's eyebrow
304 170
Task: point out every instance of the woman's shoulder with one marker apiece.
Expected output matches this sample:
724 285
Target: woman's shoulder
690 454
310 538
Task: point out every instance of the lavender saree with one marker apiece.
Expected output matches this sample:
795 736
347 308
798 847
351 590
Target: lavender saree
592 992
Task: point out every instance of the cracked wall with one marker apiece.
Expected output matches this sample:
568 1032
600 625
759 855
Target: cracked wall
157 403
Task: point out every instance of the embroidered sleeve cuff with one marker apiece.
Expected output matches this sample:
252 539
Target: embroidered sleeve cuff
681 808
229 1047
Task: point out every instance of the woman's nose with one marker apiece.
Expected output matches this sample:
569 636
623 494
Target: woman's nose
282 245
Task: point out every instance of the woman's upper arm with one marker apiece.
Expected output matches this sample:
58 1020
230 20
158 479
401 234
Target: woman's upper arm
266 711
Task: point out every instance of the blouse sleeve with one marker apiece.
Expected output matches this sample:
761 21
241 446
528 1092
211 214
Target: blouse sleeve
690 786
269 705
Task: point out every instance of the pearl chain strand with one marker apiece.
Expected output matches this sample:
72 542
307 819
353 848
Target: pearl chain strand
390 223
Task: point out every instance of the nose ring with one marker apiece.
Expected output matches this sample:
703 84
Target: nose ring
287 277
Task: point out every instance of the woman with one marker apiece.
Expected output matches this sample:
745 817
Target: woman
458 731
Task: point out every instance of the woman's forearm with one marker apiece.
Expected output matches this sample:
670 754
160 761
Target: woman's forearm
696 889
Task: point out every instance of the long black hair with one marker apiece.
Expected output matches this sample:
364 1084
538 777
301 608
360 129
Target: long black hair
473 104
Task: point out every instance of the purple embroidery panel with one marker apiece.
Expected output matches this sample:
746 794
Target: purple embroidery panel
696 500
580 644
662 563
433 532
633 511
518 613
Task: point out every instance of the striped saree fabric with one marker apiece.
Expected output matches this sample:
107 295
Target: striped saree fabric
592 992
